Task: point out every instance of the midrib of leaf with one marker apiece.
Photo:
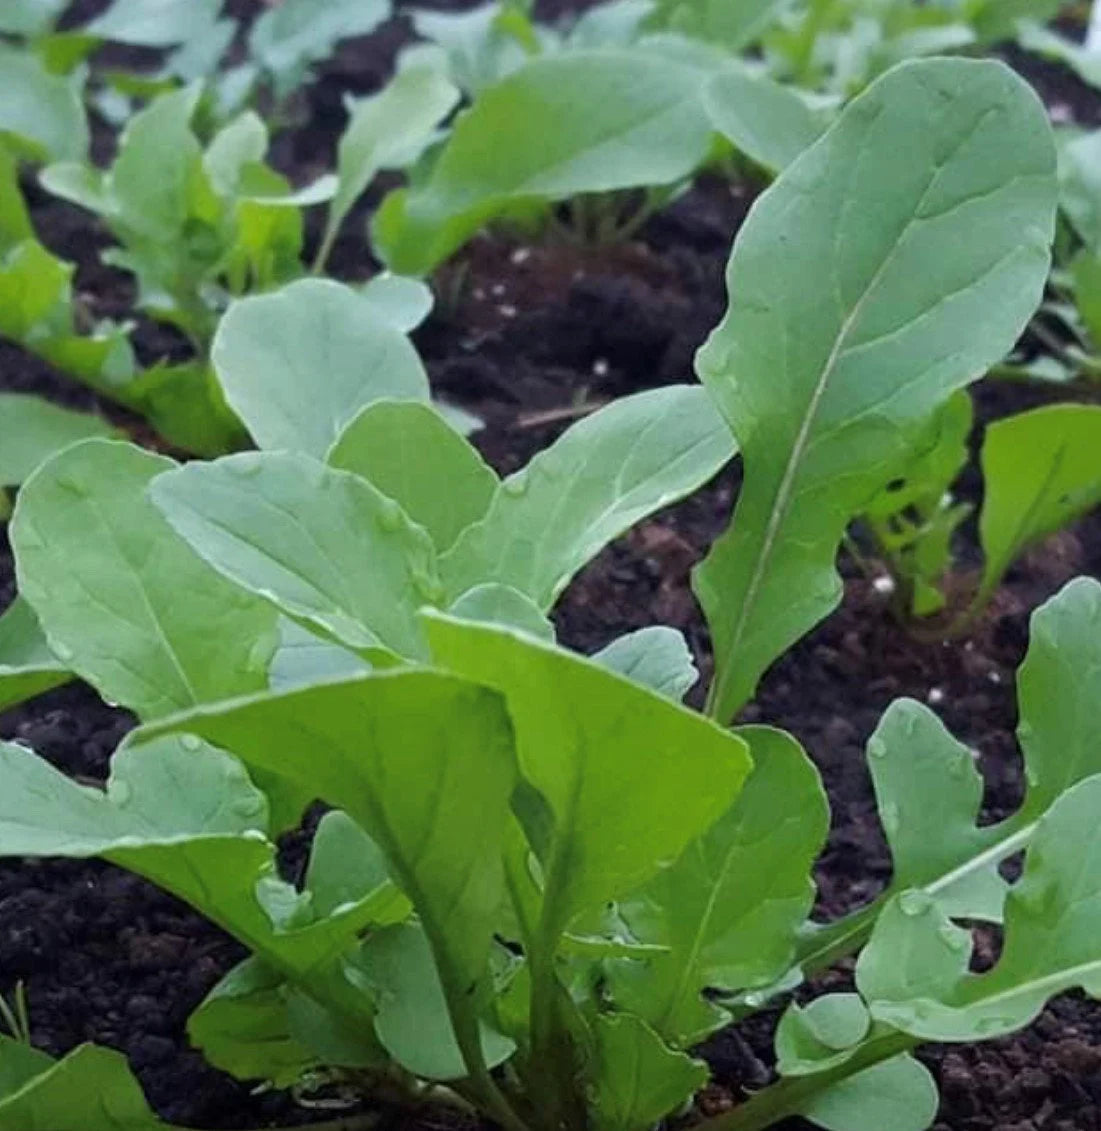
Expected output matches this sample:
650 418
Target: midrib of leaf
146 601
782 503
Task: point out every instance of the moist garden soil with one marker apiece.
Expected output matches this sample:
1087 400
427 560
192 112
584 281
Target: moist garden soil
531 337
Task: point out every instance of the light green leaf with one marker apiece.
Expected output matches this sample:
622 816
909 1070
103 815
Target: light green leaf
771 124
503 605
1041 471
927 212
1080 186
27 666
638 1079
412 1021
915 974
825 1032
237 145
241 1027
600 750
33 429
303 657
603 475
411 454
403 302
30 18
291 35
387 131
576 122
429 736
1086 274
124 603
899 1093
730 907
19 1064
929 792
734 24
43 111
658 658
91 1089
299 364
324 546
153 23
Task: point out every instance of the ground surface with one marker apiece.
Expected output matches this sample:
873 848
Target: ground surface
534 335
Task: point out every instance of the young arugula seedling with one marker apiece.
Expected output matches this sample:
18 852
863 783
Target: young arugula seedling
543 882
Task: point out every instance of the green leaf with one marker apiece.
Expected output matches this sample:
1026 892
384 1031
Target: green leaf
576 122
929 792
1041 472
430 737
601 752
19 1063
303 657
43 111
387 131
503 605
1086 274
899 1093
27 666
735 24
823 1033
153 23
927 211
771 124
299 364
410 453
658 658
241 1027
91 1089
603 475
124 603
324 546
1080 186
30 18
412 1021
288 37
915 973
403 302
638 1079
33 429
730 907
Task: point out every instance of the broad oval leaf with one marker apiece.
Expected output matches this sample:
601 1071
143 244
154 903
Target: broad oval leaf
32 429
123 601
297 365
1041 471
600 477
43 111
410 453
324 546
630 778
27 666
656 657
575 122
924 218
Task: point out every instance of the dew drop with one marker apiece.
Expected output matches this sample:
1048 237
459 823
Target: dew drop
191 742
389 516
516 485
915 903
952 938
245 466
877 748
990 1025
1024 731
120 792
250 806
63 652
890 817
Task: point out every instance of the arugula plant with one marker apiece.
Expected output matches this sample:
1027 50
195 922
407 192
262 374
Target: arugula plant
1040 474
600 877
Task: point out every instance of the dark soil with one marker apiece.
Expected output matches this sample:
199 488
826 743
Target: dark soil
530 337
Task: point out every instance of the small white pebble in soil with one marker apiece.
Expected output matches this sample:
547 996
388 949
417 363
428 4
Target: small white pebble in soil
884 585
1060 113
600 367
520 255
935 696
478 293
497 290
506 310
994 677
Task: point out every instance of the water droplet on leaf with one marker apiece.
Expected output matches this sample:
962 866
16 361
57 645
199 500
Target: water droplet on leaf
877 748
120 792
389 516
516 485
915 903
63 652
890 817
191 742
